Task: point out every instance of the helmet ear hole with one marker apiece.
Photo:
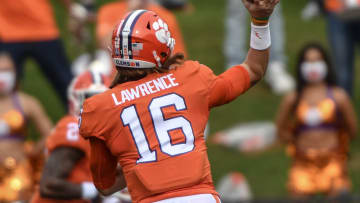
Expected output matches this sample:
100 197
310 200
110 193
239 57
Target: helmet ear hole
148 26
163 54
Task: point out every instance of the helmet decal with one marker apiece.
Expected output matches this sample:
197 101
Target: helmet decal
162 33
126 30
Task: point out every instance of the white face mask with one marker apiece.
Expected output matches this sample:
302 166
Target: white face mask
314 71
7 82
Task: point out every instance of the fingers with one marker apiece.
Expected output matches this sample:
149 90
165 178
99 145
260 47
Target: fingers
260 8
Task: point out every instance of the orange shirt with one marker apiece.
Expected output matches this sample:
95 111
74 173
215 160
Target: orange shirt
27 20
110 14
333 5
337 5
66 134
155 129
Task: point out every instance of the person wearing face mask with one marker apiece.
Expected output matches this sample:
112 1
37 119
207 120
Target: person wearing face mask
317 121
16 109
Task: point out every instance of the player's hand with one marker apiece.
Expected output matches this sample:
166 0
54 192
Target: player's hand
260 8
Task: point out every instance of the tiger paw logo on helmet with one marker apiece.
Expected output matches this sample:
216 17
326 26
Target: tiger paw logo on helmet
162 33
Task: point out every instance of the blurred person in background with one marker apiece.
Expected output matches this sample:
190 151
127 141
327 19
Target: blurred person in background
235 45
343 29
317 121
16 109
110 14
66 175
153 118
28 29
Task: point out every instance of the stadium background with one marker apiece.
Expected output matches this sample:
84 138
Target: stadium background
203 31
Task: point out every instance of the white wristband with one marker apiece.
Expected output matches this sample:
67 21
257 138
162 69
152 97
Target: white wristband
88 190
260 37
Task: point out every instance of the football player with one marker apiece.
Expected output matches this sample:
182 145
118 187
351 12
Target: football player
153 119
66 176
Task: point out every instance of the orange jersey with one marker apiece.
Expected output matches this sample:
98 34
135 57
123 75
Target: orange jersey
66 134
27 20
110 14
155 129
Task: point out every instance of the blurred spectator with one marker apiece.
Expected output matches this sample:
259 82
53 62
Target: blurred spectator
16 108
110 14
317 122
235 46
343 28
71 180
81 13
28 29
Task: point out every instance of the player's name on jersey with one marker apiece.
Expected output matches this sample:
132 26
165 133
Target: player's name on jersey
143 89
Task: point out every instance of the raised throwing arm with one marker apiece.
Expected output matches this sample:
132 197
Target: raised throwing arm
258 56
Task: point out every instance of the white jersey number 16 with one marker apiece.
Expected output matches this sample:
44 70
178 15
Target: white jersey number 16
162 127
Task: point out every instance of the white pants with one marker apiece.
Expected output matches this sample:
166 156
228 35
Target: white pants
202 198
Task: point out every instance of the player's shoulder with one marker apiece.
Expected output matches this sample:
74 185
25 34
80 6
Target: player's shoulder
194 67
66 134
98 99
192 63
98 103
63 125
59 133
189 65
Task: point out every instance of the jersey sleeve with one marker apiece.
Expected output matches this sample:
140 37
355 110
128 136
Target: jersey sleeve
227 86
103 165
89 121
66 134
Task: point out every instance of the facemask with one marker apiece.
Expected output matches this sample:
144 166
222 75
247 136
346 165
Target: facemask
314 71
7 82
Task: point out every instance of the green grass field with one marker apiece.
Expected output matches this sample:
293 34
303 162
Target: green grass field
203 32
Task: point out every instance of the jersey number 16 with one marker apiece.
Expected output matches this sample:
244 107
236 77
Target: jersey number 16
162 127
